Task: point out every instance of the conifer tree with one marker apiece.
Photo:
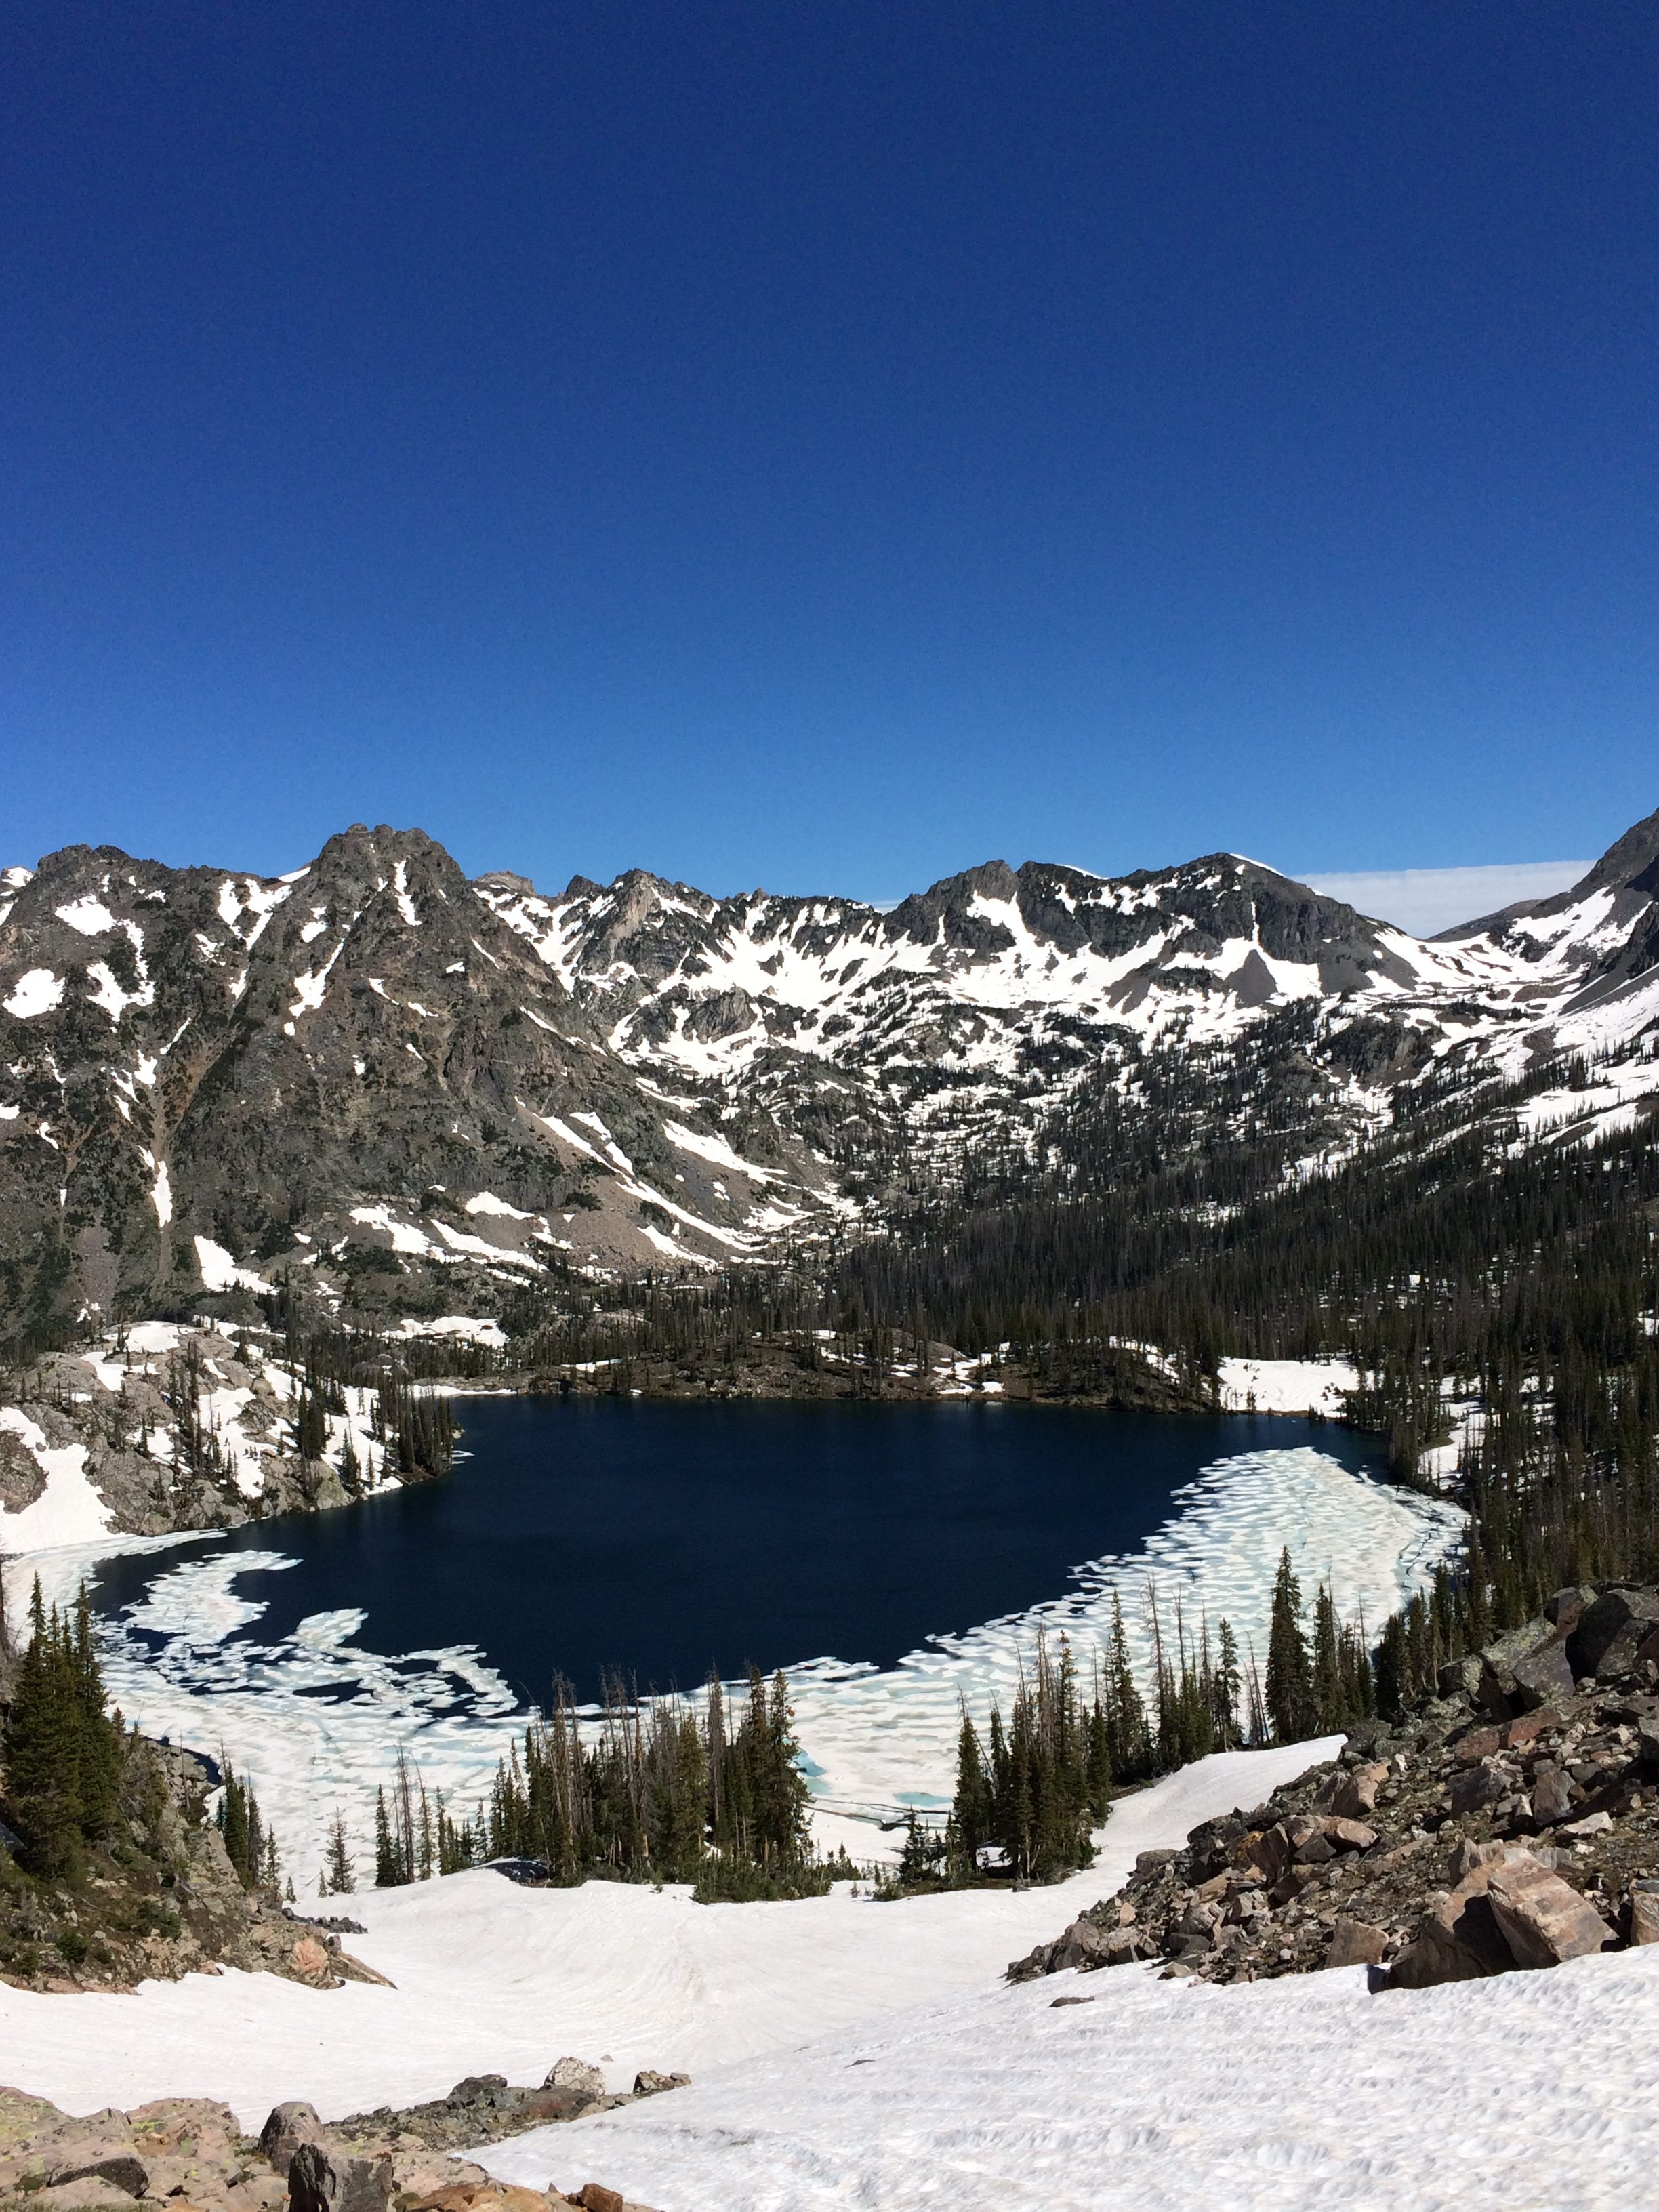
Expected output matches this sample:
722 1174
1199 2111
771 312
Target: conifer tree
42 1749
1226 1684
1289 1687
61 1751
1328 1693
388 1871
971 1809
339 1874
1126 1716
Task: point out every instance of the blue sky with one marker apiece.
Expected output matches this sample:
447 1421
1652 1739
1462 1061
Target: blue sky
826 446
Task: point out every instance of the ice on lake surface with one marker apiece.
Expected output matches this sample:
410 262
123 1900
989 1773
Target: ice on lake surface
913 1561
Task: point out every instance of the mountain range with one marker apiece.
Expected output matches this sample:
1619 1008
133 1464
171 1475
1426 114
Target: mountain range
409 1093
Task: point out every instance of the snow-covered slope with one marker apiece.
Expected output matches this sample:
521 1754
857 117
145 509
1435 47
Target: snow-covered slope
1532 2093
991 998
849 2053
490 1977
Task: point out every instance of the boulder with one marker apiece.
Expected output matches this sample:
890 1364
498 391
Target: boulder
1356 1794
1593 1824
120 2169
1551 1794
1272 1849
1543 1676
1479 1786
483 2196
575 2073
310 1960
287 2127
1081 1946
647 2084
1529 1727
322 2179
1123 1948
1565 1609
1523 1670
1457 1939
1605 1639
1477 1743
1644 1914
1355 1943
1467 1858
565 2102
480 2088
1544 1919
93 2194
1461 1677
421 2175
1347 1834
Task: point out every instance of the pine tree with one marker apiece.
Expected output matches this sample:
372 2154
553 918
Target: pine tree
1289 1687
971 1809
232 1820
42 1748
1226 1684
339 1874
1329 1692
388 1872
1126 1716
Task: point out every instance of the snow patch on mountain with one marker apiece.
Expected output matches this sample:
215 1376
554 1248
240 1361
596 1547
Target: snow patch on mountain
36 993
69 1510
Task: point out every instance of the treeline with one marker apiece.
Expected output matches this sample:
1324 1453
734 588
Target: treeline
61 1748
658 1790
414 1428
1028 1793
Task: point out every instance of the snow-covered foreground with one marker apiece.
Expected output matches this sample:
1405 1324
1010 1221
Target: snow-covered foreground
1536 2093
491 1978
847 2053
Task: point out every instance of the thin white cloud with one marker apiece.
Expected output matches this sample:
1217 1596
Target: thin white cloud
1428 900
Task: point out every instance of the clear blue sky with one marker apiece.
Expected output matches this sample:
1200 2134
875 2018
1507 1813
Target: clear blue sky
824 445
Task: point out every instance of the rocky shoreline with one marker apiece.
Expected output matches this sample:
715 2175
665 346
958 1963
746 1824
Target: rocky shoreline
1510 1823
199 1432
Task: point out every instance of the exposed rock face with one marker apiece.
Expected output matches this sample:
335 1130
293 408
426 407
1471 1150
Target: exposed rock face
1496 1835
359 1076
199 1431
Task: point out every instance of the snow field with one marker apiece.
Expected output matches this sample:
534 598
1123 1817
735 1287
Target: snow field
1287 1386
492 1977
69 1510
1533 2093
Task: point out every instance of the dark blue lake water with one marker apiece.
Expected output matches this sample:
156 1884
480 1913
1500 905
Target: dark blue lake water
658 1537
